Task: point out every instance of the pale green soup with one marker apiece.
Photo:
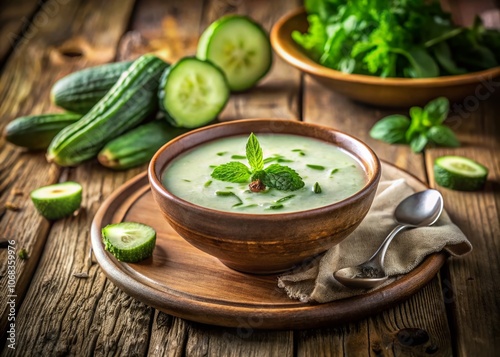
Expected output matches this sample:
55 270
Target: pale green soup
338 174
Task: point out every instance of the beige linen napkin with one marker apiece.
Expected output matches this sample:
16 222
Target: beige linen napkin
314 282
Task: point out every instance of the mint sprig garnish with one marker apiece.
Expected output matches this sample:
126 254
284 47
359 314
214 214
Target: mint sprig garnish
276 176
254 153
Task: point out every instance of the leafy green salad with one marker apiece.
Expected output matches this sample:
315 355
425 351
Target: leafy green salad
395 38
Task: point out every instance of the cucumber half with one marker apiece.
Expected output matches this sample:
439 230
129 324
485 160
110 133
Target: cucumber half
459 173
240 47
192 92
58 200
129 241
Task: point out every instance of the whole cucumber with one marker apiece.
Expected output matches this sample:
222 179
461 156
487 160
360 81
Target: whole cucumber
80 91
35 132
126 104
137 146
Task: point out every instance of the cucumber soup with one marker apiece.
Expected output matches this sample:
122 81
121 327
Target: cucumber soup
329 173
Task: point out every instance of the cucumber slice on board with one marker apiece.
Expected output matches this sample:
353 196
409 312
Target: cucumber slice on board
240 47
192 92
129 241
58 200
459 173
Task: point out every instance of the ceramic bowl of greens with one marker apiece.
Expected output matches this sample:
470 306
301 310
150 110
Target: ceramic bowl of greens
264 195
394 57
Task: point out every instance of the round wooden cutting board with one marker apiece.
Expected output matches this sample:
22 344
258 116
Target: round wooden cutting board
186 282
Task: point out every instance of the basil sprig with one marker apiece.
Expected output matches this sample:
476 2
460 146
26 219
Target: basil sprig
424 127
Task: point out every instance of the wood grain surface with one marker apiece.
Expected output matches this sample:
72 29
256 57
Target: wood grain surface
60 314
15 18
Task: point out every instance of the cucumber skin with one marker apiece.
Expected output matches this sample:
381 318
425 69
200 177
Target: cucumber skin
51 209
453 181
137 147
129 256
35 132
138 254
126 104
203 43
162 93
80 91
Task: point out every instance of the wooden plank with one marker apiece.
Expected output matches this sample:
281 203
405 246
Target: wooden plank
15 15
74 29
474 291
425 310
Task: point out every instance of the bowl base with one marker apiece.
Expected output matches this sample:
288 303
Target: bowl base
246 270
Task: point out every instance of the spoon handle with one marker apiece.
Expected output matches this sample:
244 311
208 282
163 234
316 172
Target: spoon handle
379 255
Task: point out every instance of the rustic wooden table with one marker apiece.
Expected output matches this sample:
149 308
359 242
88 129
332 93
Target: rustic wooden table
59 314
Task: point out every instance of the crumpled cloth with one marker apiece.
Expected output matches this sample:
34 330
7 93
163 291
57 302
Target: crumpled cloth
314 282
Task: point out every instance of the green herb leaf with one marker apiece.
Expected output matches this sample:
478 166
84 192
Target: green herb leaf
416 124
238 157
435 112
276 206
286 198
233 171
254 153
208 183
259 175
443 136
221 153
282 178
317 188
334 171
315 167
224 193
418 143
391 129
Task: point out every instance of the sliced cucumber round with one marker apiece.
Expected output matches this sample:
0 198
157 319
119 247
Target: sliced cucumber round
58 200
192 93
240 47
129 241
459 173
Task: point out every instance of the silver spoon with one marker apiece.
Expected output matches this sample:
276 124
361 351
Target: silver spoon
418 210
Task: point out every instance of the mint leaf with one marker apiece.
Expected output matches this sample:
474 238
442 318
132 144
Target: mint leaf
416 124
281 178
443 136
254 153
259 175
436 111
232 172
418 143
391 129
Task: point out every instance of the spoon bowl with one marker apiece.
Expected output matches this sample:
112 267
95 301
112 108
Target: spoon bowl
421 209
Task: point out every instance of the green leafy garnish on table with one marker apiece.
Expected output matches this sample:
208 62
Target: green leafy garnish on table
273 176
424 127
389 38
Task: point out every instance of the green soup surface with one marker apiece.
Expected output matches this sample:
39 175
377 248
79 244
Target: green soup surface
338 174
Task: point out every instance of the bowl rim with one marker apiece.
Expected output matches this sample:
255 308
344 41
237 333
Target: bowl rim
156 185
282 43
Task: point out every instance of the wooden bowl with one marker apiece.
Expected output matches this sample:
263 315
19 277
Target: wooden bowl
389 92
260 243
